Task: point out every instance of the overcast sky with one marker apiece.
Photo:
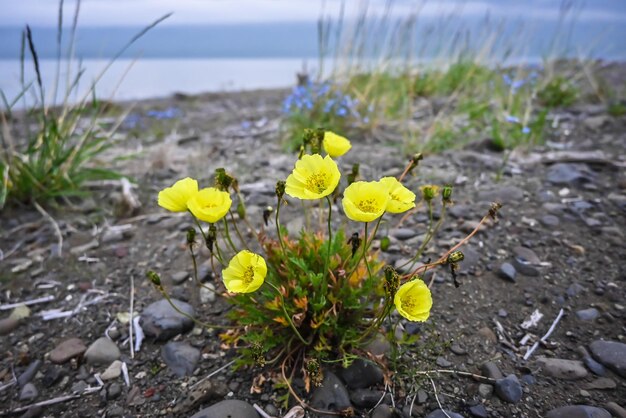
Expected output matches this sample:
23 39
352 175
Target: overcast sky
140 12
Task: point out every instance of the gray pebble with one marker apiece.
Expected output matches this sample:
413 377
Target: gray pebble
102 352
228 408
180 357
562 368
578 411
161 321
28 374
509 389
612 354
587 314
28 392
507 272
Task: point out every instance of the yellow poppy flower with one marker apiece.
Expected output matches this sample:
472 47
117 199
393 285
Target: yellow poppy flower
401 199
365 201
313 177
413 300
245 273
335 145
209 205
175 198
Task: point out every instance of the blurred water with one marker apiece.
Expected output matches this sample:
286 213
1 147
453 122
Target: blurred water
128 79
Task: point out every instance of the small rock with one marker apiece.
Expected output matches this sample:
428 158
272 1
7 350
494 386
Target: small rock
490 369
569 174
443 362
578 411
502 313
587 314
602 383
616 410
438 413
332 395
562 368
113 371
383 411
595 367
7 325
526 254
28 392
115 411
102 351
366 398
180 357
28 374
612 354
207 293
179 277
161 321
485 391
361 374
79 387
114 391
509 389
479 411
403 234
53 374
549 220
67 350
229 408
507 272
458 350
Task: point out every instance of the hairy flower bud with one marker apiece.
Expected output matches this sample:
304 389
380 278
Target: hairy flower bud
455 257
392 281
223 180
280 189
153 277
446 194
191 236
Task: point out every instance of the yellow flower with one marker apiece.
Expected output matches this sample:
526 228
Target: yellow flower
365 201
401 199
413 300
429 191
209 205
313 177
175 198
245 273
335 145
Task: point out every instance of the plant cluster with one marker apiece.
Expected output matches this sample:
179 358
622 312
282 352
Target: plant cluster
300 302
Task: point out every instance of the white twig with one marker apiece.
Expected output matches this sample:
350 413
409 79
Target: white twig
262 412
545 337
42 299
54 223
210 375
125 374
8 385
139 335
130 323
432 382
53 401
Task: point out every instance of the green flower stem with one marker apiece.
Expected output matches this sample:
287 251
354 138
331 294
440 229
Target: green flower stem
431 233
330 235
277 222
243 241
195 294
282 304
366 245
227 233
206 239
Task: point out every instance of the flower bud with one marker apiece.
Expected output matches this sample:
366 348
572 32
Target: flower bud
446 194
455 257
191 236
354 173
280 189
429 192
153 277
392 281
223 180
385 242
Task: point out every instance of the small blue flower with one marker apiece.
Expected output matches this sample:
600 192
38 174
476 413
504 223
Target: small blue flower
342 111
511 119
525 130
